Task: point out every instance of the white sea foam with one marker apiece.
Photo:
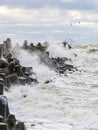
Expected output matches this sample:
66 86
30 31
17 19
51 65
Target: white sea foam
67 102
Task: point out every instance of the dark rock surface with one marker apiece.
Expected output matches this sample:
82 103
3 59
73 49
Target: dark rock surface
58 64
11 70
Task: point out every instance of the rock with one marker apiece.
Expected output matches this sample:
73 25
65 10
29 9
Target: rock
6 71
25 45
3 63
27 70
8 43
1 50
48 81
10 72
66 45
14 66
18 70
11 121
40 47
33 124
7 46
2 76
20 126
1 118
11 79
60 66
13 124
8 56
2 80
1 86
31 47
22 80
3 126
4 109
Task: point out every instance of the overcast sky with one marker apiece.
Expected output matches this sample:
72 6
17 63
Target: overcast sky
49 20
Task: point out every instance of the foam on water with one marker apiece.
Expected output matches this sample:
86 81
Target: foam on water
67 102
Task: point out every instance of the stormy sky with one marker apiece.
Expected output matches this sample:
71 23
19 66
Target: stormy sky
49 20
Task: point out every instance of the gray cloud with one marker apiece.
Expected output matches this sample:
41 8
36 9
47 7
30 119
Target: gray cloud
77 4
49 18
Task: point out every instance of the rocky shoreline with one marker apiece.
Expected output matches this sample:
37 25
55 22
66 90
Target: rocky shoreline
13 73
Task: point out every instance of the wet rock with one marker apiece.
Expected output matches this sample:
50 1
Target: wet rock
40 47
33 124
27 70
22 80
2 76
13 124
33 48
66 45
60 65
11 121
1 118
1 50
4 109
20 126
25 45
3 126
11 79
1 86
7 46
8 56
3 63
10 70
93 50
8 43
48 81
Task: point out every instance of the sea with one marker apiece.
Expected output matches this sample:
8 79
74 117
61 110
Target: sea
67 102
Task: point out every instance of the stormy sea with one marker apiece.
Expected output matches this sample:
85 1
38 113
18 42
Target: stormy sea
59 101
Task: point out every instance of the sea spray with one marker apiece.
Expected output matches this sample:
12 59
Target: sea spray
67 102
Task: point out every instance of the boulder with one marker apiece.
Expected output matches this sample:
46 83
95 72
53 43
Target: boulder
3 126
11 79
1 50
8 56
20 126
11 121
1 118
1 86
25 44
66 45
27 70
7 46
31 47
4 109
60 66
22 80
13 124
3 63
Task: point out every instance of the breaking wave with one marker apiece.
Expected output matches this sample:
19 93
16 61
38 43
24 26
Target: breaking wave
68 101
